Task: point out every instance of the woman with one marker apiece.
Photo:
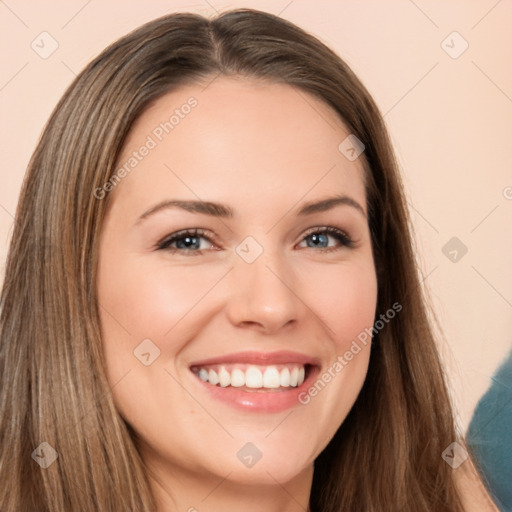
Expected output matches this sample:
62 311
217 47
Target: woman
211 298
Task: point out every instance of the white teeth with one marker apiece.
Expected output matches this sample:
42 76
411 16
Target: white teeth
254 377
271 378
294 374
224 377
284 378
213 378
302 375
237 378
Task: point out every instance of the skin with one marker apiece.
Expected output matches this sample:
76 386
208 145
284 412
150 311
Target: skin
263 150
475 497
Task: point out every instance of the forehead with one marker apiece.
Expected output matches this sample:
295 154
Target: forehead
238 135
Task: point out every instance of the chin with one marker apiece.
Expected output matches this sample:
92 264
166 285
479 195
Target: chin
263 462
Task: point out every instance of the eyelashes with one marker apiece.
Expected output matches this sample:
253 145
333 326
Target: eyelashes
338 234
186 236
187 241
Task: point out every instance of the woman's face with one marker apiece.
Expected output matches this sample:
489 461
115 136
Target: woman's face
231 349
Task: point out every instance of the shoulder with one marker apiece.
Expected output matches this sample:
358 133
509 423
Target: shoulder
474 495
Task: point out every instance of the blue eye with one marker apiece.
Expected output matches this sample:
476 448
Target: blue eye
189 240
185 240
319 238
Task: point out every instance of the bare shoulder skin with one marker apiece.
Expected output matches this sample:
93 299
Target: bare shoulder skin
475 496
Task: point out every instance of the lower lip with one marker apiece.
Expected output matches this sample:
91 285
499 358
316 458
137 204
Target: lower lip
260 400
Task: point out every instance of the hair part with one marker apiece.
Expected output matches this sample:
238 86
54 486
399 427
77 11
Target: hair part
387 453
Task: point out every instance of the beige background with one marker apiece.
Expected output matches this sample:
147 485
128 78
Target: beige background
450 119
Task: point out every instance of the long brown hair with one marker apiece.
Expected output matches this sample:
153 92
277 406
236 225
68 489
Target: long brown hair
386 456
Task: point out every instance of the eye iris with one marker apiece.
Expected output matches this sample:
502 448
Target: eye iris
319 239
188 242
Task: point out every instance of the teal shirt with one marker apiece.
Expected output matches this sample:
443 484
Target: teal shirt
489 436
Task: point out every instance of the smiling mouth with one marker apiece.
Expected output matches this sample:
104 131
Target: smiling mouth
254 378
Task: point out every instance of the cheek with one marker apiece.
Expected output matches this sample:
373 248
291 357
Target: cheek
142 299
149 300
345 298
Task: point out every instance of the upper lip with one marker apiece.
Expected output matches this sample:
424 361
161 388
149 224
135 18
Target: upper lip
260 358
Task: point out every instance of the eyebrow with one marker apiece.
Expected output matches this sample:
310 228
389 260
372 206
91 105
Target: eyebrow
224 211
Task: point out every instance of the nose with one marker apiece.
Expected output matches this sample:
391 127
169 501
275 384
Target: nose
264 295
